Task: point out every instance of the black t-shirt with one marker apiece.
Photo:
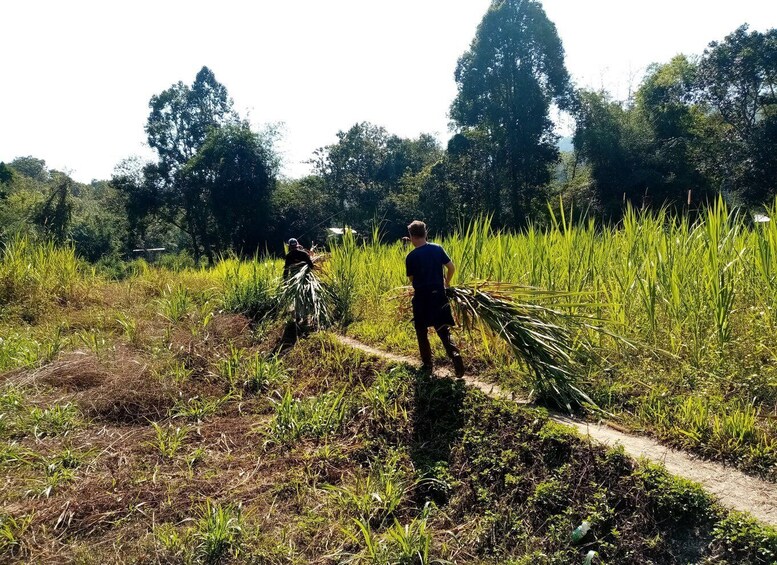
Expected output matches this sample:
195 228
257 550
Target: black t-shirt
425 264
294 258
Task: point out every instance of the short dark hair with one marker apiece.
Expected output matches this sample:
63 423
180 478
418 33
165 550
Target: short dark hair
417 228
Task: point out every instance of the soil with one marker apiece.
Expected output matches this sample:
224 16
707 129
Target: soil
734 489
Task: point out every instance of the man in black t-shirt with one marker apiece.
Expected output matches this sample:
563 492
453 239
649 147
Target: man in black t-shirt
423 266
296 257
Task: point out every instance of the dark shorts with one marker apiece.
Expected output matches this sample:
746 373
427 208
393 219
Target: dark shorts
431 308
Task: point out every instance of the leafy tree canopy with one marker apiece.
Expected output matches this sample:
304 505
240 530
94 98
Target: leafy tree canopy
507 80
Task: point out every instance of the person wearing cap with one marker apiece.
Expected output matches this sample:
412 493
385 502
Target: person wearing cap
296 257
424 267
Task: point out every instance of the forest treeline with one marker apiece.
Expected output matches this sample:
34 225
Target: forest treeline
695 127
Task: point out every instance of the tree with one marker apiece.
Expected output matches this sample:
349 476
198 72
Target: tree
181 118
609 140
507 81
6 176
302 209
365 172
233 173
55 213
650 151
31 167
737 79
213 176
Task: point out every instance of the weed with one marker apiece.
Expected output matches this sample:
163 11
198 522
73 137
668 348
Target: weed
168 440
198 408
387 400
179 373
11 532
218 531
674 499
14 455
376 497
175 541
57 420
743 540
57 473
195 457
262 374
93 339
311 417
400 544
130 327
251 289
175 304
229 367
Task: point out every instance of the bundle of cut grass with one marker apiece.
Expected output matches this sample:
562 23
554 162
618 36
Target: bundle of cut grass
542 337
305 295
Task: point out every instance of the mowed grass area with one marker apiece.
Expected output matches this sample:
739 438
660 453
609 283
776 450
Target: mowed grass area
148 420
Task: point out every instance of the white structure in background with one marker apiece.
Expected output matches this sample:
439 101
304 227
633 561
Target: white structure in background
761 218
335 233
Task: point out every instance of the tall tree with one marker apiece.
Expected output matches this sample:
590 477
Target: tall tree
507 80
183 128
233 171
737 78
181 118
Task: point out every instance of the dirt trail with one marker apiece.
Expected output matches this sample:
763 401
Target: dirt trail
733 488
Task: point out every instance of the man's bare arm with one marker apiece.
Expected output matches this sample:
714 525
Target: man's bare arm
450 268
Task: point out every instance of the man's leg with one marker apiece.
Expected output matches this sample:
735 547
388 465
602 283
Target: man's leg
424 346
450 348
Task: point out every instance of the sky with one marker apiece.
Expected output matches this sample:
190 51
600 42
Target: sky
76 76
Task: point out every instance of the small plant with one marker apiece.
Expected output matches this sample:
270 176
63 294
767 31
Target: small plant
400 544
196 456
168 440
311 417
18 351
261 373
743 540
198 408
130 327
218 531
175 304
229 367
50 348
252 293
57 420
57 473
387 400
92 339
14 455
11 532
179 373
176 542
203 317
377 496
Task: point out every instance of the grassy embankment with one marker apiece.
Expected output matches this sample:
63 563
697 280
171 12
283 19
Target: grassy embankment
141 421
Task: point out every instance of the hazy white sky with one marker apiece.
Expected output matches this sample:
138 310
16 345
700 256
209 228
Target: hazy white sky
76 76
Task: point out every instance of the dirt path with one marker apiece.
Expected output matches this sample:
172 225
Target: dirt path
733 488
